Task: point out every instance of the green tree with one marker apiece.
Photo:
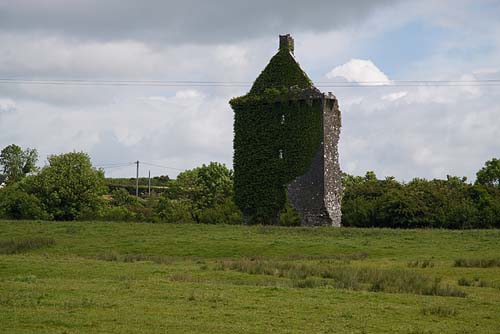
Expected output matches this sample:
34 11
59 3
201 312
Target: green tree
174 210
68 186
489 175
17 163
204 188
16 203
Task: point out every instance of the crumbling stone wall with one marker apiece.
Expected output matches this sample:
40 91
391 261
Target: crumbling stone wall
317 193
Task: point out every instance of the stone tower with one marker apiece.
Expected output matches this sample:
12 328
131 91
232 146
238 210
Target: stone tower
286 134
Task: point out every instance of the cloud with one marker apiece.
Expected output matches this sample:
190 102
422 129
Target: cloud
404 132
183 130
359 70
422 131
394 96
7 105
188 21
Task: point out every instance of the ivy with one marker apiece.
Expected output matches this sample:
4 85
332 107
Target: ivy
276 135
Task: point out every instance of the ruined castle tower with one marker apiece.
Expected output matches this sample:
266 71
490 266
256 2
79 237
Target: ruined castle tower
286 134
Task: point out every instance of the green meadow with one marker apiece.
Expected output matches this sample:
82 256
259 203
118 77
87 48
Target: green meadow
97 277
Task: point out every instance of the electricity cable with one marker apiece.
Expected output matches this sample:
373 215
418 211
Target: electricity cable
193 83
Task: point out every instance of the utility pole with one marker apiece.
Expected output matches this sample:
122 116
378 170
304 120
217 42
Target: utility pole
149 183
137 179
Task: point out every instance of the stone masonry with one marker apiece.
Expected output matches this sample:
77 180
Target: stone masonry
317 194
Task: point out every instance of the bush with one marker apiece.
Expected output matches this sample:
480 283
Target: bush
68 186
173 211
224 213
452 203
117 213
122 197
289 216
17 204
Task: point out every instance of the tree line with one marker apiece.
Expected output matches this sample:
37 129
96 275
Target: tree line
70 188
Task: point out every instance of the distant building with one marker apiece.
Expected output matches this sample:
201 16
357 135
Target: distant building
286 134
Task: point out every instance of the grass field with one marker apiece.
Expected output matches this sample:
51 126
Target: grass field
87 277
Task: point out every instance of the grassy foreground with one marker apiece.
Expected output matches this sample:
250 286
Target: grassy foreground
88 277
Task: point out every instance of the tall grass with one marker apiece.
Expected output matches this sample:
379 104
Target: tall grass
115 257
345 277
15 246
440 311
421 264
476 282
477 263
325 258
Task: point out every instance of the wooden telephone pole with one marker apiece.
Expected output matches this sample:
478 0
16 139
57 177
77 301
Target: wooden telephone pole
137 179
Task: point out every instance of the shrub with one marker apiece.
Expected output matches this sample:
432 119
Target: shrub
225 213
173 211
117 213
15 203
121 196
452 203
289 216
68 186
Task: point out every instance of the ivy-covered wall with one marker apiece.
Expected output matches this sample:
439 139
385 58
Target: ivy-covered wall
278 131
275 141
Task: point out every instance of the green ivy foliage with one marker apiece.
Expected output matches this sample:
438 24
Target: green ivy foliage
276 135
281 72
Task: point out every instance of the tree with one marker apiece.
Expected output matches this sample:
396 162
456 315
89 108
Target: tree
17 163
68 186
489 175
203 188
15 203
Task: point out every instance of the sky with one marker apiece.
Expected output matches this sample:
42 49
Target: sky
392 129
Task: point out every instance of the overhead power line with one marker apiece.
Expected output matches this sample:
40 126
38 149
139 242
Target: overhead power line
126 164
114 165
160 166
192 83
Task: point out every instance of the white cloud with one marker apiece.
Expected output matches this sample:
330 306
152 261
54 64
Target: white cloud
418 131
359 70
394 96
7 105
183 130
